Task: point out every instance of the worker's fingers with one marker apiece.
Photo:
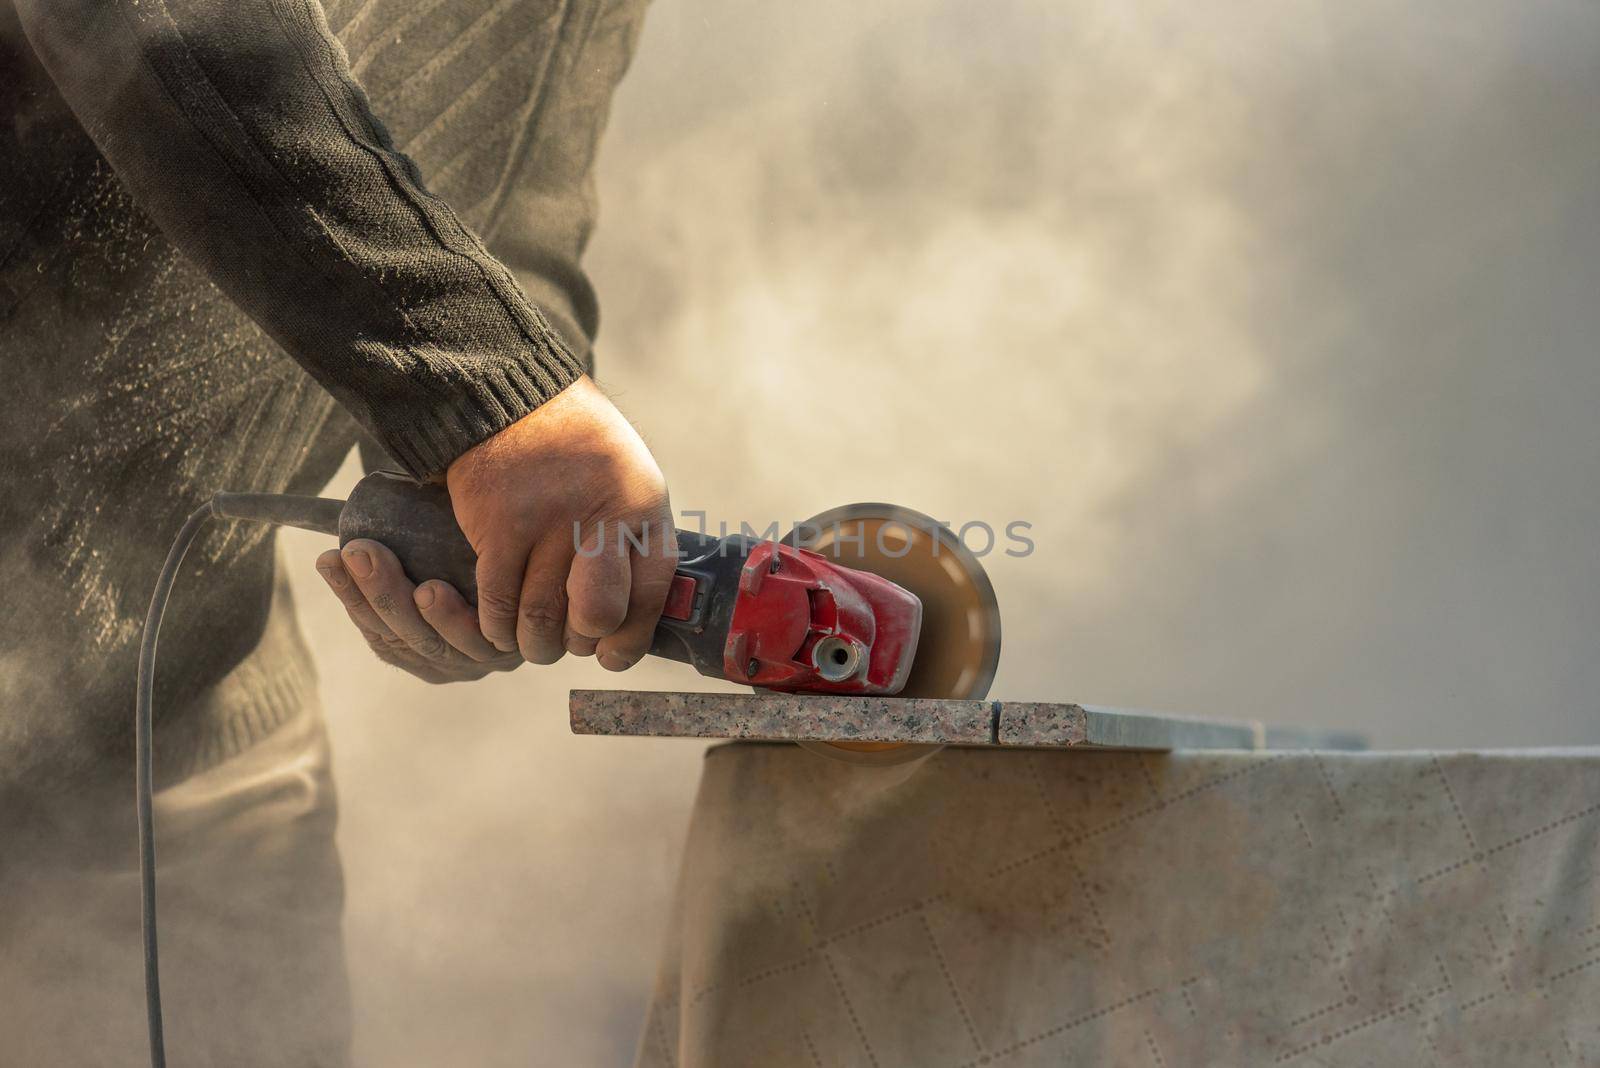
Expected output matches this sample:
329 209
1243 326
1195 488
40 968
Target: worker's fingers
597 586
330 565
447 612
542 609
380 636
579 644
378 573
500 573
651 575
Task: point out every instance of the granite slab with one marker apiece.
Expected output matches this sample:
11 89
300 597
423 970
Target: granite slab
1013 724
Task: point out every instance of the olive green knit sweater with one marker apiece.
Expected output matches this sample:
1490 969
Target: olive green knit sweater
217 265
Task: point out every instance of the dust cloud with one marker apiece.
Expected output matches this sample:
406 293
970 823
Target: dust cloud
1276 321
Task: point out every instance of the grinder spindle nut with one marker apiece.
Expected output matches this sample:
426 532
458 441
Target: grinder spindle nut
836 658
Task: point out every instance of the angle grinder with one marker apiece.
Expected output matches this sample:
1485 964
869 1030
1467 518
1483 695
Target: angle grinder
868 599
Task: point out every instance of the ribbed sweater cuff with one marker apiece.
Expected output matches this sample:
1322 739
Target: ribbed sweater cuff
427 439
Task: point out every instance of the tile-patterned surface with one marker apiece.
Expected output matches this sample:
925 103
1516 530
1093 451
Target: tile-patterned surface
1049 908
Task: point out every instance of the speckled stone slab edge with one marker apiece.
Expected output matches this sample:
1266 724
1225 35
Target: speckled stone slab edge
781 717
1020 724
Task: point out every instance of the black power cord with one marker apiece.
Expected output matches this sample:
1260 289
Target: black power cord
312 513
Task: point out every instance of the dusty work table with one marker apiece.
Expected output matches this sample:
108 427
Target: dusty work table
1001 905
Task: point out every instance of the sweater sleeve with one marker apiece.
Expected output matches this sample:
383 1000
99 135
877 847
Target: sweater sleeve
543 223
239 128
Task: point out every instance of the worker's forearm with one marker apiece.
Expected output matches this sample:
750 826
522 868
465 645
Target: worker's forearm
237 125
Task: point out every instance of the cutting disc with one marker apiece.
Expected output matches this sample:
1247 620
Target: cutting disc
959 647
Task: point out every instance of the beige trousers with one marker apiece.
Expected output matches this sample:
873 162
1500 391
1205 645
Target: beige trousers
250 895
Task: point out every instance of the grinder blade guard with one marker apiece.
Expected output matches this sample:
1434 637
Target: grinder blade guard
958 647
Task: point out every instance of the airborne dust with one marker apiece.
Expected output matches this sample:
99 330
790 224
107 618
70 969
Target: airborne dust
1275 320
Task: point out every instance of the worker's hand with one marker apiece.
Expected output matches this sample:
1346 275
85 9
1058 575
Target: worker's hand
428 630
571 473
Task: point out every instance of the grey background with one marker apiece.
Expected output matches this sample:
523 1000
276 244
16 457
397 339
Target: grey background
1278 321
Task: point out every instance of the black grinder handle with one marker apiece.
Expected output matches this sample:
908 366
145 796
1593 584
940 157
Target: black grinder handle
416 522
